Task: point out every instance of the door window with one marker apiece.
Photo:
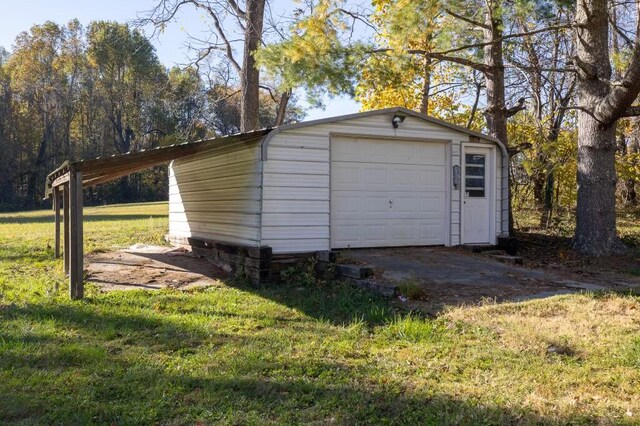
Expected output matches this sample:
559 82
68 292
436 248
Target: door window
474 172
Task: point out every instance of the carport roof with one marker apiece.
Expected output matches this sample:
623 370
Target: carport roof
106 169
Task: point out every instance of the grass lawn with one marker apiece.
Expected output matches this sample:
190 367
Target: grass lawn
323 353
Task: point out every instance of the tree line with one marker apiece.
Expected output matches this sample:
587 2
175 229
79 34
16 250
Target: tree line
70 92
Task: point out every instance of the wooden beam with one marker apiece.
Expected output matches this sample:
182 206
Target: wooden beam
108 178
65 207
56 214
124 165
60 180
76 265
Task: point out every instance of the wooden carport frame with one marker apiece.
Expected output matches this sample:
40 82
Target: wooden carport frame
65 187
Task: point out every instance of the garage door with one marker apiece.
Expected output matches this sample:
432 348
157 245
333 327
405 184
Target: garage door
387 193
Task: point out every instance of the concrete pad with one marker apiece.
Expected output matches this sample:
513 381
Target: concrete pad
150 268
455 276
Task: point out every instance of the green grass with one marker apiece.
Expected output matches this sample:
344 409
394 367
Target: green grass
295 353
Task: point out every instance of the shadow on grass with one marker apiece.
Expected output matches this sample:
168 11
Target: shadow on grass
26 256
86 320
85 383
338 303
48 218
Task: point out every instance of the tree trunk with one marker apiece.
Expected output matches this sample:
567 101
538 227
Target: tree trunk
426 87
250 76
596 210
282 108
494 79
496 111
36 171
476 100
630 196
547 208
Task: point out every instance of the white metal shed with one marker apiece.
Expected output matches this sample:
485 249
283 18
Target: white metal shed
381 178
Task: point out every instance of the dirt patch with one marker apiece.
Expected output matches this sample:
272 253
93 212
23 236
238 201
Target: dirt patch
151 267
555 253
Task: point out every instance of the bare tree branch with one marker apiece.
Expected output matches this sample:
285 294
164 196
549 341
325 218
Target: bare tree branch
268 89
241 13
465 19
508 37
516 108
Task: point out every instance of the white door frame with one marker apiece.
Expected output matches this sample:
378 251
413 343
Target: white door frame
490 187
448 143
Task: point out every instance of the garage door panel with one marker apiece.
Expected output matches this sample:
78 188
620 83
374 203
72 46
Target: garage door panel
372 205
394 177
405 203
375 205
378 234
366 150
432 232
394 203
433 206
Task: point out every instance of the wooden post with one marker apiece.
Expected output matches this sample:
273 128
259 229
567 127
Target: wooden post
65 206
76 267
56 213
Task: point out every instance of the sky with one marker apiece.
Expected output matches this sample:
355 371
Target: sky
20 16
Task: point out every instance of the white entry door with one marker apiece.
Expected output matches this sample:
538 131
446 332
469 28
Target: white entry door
387 193
477 195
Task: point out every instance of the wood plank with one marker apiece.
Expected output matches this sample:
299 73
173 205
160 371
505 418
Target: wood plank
76 283
65 206
56 213
60 180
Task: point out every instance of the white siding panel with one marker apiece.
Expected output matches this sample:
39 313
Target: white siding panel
231 231
219 194
280 193
216 195
298 154
296 219
300 140
294 168
294 232
238 206
241 183
209 161
215 171
231 218
294 206
299 181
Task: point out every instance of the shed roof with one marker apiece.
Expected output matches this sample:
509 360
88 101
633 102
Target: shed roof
106 169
